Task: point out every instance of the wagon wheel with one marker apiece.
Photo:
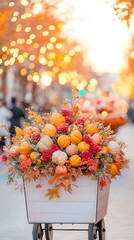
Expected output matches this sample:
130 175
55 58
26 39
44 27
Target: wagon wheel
101 229
49 231
37 232
92 232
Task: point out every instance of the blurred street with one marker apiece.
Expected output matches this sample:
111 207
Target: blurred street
120 216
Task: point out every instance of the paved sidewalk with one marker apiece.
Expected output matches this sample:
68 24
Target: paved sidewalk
120 216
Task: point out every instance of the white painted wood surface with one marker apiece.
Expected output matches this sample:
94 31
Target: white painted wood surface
86 204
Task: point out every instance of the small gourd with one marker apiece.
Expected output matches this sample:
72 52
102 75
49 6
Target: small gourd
97 138
14 151
71 149
59 157
91 128
75 160
114 170
49 130
76 137
25 148
57 119
83 146
63 141
45 143
61 170
114 147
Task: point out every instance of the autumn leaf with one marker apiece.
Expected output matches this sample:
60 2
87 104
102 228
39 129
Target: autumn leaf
39 186
25 163
52 193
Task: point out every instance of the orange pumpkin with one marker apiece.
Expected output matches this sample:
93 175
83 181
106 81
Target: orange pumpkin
91 128
49 130
83 146
61 170
63 141
33 156
105 149
75 160
114 170
25 148
57 119
76 137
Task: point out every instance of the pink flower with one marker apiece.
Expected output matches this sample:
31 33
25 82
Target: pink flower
86 155
3 157
93 146
88 139
68 119
62 128
35 136
65 111
80 120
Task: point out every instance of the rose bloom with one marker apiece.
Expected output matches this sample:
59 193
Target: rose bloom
86 155
54 148
62 128
35 136
65 112
3 157
46 155
68 119
80 120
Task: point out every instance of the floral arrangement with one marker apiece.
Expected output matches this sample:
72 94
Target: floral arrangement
106 107
63 145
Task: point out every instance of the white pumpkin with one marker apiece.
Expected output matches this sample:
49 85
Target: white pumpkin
71 149
114 147
59 157
97 138
45 143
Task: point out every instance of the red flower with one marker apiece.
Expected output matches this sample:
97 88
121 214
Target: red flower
35 136
93 146
46 155
80 120
68 119
3 157
86 155
54 148
65 111
88 139
62 128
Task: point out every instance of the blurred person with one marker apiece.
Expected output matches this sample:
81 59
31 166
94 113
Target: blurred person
5 116
18 115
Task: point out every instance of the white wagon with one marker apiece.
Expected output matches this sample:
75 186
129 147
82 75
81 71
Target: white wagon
86 205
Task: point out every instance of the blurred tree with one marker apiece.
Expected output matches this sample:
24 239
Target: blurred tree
125 85
124 9
32 39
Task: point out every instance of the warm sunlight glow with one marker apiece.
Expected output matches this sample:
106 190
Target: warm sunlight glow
103 37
